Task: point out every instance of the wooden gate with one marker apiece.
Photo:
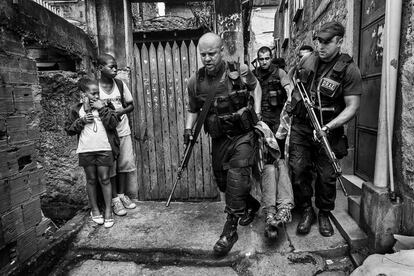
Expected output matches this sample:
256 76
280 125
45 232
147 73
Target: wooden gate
163 70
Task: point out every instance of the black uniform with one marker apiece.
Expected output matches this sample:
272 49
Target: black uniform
273 80
273 94
230 124
327 85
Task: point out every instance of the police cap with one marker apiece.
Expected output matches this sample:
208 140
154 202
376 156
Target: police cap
329 30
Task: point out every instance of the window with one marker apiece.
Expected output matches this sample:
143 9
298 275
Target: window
277 44
298 8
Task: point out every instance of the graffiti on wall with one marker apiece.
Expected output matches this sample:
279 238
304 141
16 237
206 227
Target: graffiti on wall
230 27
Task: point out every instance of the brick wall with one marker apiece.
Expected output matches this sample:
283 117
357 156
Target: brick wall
21 180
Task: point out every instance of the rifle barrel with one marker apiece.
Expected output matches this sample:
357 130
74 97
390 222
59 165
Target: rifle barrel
167 204
183 165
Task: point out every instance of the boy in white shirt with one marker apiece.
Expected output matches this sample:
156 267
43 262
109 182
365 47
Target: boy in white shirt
115 91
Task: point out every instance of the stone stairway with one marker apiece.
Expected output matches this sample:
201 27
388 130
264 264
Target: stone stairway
347 219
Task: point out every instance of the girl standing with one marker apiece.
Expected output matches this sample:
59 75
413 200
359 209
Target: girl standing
98 145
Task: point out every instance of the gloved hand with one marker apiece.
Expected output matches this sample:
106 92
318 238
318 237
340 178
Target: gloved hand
188 136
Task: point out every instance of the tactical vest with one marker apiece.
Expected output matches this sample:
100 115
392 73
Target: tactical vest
273 94
326 92
230 114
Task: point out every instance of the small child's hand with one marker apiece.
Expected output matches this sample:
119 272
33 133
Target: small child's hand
98 104
88 118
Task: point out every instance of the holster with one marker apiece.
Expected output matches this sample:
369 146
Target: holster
230 124
340 146
239 98
298 108
213 126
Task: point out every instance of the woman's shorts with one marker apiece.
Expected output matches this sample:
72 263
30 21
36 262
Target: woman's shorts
96 158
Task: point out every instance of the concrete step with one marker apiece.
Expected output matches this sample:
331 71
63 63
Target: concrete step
354 207
183 236
349 230
186 232
358 258
352 183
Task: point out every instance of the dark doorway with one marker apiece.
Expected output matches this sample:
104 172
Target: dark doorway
370 62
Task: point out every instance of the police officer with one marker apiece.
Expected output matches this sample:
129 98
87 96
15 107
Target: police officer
333 82
274 83
229 122
276 87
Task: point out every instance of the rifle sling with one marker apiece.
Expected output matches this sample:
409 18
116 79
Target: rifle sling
204 111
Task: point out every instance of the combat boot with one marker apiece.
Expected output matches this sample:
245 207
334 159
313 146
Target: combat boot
325 226
228 237
306 221
253 205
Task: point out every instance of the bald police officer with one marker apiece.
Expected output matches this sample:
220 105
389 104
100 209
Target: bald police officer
334 84
229 122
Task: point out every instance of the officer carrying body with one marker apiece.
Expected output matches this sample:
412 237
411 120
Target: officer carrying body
229 122
273 82
334 84
276 89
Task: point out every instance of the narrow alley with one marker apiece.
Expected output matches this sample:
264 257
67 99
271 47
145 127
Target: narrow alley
281 131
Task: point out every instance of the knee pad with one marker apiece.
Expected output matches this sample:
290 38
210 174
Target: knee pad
238 180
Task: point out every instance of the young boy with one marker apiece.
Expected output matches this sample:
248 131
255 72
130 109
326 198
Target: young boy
115 91
98 145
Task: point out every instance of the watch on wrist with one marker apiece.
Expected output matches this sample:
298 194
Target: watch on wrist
326 129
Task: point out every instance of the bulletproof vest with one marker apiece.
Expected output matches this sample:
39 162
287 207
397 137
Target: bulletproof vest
227 113
325 90
273 94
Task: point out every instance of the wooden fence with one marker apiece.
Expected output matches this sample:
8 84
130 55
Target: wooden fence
163 70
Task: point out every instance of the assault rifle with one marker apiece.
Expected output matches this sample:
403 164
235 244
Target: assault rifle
317 127
183 165
189 147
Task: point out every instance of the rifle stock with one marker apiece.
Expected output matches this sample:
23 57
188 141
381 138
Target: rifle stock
317 127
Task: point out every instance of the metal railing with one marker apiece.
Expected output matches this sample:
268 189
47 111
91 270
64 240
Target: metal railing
50 7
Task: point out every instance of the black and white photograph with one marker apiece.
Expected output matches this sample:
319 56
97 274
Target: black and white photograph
207 138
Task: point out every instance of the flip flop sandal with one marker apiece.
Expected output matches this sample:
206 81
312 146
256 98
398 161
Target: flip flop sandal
97 219
109 223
